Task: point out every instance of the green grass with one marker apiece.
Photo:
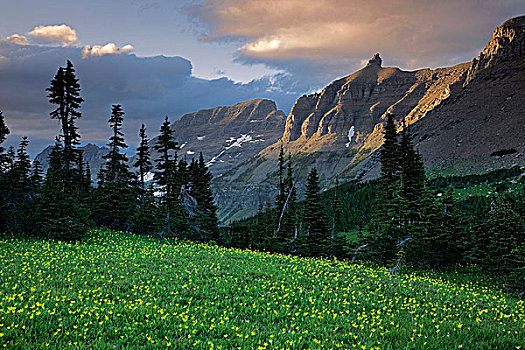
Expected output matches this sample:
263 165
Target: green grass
121 291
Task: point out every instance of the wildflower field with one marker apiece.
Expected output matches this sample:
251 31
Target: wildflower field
121 291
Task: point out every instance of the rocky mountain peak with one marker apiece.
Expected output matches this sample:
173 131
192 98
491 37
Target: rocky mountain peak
375 61
506 45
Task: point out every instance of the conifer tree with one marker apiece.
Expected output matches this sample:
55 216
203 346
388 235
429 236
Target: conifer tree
206 217
144 215
115 196
385 224
336 240
116 167
60 214
37 174
143 162
4 131
22 169
505 234
65 93
317 234
166 176
4 167
281 196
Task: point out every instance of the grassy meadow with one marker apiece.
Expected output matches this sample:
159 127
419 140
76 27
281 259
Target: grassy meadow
119 291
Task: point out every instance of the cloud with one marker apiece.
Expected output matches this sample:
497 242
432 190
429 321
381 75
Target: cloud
108 49
62 34
17 39
148 88
410 33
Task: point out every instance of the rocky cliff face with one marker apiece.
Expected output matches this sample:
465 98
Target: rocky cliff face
467 108
228 136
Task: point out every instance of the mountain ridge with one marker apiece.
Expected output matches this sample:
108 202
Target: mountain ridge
339 129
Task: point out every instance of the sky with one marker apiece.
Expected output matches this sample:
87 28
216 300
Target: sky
170 57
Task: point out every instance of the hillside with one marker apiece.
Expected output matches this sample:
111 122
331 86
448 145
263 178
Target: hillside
121 291
461 117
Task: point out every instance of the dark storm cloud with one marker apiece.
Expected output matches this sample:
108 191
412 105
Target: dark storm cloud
148 88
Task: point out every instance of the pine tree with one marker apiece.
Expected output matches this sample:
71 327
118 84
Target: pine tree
206 221
59 213
385 224
418 215
37 174
317 234
173 218
4 131
116 167
337 242
22 169
144 215
143 162
281 196
4 177
115 196
504 235
65 93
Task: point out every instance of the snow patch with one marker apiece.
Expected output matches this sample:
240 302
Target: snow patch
148 177
182 146
190 152
244 138
200 138
351 133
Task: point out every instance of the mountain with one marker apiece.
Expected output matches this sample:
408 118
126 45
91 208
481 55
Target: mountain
465 118
92 155
228 136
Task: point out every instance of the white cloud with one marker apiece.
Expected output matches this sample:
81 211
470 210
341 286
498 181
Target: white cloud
108 49
62 34
17 39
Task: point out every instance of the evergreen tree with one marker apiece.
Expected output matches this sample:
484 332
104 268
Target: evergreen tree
37 174
386 223
505 234
144 215
337 242
143 162
418 214
288 229
59 213
116 168
22 169
4 167
317 234
166 176
281 196
65 93
206 221
4 131
115 196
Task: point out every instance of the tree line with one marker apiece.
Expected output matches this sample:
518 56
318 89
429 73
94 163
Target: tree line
64 204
